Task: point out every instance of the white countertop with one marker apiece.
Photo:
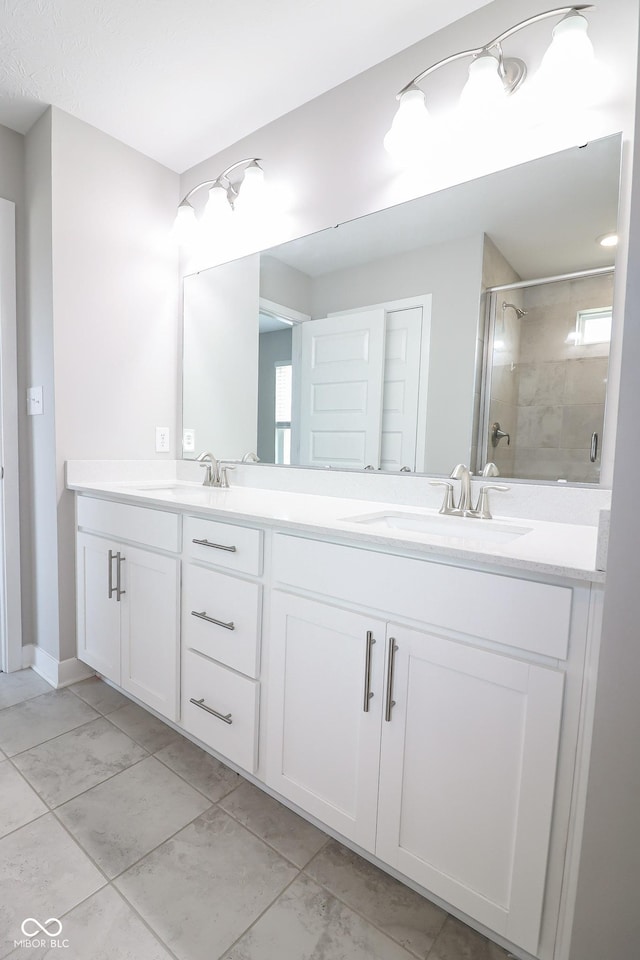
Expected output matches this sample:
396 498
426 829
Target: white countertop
556 549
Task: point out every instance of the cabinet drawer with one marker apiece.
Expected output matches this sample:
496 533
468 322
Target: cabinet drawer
224 544
236 605
519 613
231 696
123 521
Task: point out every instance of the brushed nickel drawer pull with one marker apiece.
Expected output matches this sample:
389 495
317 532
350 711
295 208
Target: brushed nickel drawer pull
218 623
216 546
393 646
367 671
225 717
112 589
119 591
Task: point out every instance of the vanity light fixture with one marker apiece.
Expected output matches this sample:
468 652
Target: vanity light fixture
225 194
494 77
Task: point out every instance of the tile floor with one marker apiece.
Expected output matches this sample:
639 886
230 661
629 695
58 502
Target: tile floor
146 848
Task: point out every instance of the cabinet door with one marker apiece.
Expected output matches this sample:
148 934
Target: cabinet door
149 611
323 747
98 610
467 776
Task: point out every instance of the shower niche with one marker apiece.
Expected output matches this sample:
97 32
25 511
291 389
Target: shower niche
546 364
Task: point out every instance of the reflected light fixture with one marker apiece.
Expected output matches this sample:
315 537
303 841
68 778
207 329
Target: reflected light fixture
608 240
225 195
493 78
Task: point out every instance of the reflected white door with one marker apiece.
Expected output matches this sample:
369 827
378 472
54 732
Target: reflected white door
341 374
401 389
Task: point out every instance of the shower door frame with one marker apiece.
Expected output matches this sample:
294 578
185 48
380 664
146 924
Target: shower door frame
490 301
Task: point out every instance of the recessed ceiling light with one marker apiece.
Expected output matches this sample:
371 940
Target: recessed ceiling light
608 240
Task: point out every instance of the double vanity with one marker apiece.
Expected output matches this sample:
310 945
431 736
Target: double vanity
415 683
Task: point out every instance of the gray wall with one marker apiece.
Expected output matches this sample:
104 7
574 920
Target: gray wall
12 187
607 918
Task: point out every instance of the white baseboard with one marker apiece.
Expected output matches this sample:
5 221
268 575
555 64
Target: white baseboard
59 673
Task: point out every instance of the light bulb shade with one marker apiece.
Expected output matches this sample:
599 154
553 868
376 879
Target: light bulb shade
411 133
251 189
185 223
569 69
217 209
484 93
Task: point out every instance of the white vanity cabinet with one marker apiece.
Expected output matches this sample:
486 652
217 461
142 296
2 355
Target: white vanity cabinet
433 749
221 626
128 599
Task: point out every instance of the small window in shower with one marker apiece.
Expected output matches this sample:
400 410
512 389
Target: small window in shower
593 326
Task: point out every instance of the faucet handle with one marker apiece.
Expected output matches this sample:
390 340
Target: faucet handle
482 510
447 504
224 479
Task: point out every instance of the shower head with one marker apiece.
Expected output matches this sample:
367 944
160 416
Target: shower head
519 313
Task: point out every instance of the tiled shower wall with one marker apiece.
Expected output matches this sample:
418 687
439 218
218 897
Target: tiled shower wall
561 386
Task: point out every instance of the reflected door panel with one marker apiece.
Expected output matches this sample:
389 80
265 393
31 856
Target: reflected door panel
341 376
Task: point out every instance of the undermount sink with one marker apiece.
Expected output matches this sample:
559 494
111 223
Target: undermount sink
461 528
173 489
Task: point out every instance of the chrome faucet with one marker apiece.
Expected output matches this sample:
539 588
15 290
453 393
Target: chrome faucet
461 473
212 467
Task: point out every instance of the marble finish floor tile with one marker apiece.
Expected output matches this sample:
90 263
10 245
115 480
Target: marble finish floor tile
307 923
143 727
21 685
72 763
104 927
278 826
201 889
457 941
120 821
99 695
19 804
43 874
401 913
32 722
199 768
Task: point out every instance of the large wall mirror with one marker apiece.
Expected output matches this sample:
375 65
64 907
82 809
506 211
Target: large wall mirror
472 324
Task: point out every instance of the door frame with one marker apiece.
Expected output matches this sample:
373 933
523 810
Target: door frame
10 593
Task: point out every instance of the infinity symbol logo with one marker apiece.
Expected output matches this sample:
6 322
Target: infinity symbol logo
30 931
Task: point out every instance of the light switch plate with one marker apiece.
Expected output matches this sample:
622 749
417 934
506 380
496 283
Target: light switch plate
35 404
162 439
188 440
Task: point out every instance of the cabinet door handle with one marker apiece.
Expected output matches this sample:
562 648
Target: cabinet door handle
225 717
112 589
367 671
119 591
218 623
393 646
216 546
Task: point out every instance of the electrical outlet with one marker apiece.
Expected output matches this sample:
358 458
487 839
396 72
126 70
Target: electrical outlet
188 440
162 439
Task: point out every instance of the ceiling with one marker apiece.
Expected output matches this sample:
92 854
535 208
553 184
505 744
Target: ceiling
180 80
